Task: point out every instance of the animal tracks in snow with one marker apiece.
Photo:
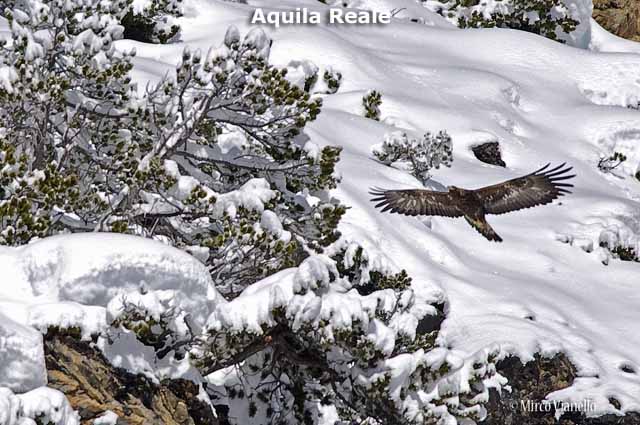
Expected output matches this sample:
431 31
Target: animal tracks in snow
619 86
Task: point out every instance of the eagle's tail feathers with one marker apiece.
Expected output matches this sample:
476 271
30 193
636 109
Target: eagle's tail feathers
484 228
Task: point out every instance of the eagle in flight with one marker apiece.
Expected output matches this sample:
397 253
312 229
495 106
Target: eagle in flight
538 188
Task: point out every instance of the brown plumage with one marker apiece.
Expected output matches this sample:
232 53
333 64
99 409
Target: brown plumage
538 188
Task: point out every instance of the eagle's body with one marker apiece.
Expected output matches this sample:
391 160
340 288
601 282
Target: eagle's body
537 188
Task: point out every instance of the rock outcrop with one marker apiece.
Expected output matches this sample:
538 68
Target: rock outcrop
532 382
489 153
621 17
93 386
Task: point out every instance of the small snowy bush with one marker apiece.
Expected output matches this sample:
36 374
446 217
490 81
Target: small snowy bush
306 75
332 79
432 151
371 103
621 252
610 163
155 23
549 18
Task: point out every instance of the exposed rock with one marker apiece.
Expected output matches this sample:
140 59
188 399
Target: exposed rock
621 17
533 381
431 323
93 386
489 153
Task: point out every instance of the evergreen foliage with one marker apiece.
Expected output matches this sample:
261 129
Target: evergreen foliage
421 156
153 24
621 252
332 79
371 103
549 18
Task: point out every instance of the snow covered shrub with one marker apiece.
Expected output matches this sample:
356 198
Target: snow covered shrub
432 151
305 75
608 164
325 340
621 252
549 18
153 328
332 79
155 23
41 406
371 103
626 253
337 337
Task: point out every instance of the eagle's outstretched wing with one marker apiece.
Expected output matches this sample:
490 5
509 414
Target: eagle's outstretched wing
537 188
417 202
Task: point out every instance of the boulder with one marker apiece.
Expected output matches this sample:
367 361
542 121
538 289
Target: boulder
489 153
93 387
621 17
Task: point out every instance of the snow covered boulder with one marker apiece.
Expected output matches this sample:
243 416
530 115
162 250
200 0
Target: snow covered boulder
21 357
40 406
80 279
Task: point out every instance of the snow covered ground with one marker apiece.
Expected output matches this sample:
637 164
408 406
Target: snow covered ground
544 289
544 102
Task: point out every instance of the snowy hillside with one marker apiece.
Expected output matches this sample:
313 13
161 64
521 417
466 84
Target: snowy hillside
550 287
544 102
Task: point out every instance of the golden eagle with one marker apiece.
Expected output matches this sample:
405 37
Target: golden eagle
537 188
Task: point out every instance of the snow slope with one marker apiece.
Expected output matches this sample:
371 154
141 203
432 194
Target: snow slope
540 290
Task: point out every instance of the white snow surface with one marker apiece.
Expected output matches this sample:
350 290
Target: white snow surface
21 356
544 102
70 280
544 289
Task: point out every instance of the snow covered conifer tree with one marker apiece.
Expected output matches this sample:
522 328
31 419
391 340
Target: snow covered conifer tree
211 159
61 78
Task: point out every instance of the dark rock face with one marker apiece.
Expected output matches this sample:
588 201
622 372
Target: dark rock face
489 153
532 382
93 386
621 17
